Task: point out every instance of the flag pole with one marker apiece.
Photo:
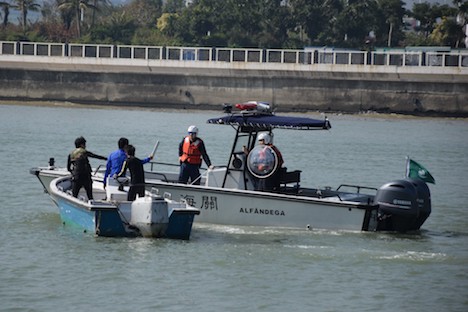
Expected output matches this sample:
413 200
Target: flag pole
407 167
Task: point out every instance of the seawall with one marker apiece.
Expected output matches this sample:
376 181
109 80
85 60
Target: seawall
185 84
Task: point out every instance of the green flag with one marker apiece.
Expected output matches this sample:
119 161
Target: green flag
416 171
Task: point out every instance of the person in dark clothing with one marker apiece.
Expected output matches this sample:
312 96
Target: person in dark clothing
191 152
78 165
137 174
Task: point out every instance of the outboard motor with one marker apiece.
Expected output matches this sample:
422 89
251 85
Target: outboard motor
398 206
424 201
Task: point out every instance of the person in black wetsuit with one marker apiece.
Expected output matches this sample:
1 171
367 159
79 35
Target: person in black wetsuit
137 174
78 165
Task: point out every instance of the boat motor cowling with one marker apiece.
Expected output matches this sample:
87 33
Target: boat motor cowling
398 206
423 199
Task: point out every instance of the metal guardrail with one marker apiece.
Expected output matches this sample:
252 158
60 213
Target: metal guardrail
308 56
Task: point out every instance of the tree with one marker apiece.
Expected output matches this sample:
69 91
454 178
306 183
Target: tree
118 28
310 16
6 12
275 23
446 33
203 19
355 22
393 12
428 15
24 6
173 6
73 9
462 19
145 12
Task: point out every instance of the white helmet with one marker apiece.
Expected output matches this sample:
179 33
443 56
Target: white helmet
192 129
264 136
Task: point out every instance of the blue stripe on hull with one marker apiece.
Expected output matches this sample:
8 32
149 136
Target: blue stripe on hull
180 225
101 222
109 224
81 217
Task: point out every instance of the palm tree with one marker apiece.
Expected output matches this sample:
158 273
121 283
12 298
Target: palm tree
97 7
24 6
462 18
77 7
393 11
6 11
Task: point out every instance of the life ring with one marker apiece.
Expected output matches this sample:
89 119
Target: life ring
262 161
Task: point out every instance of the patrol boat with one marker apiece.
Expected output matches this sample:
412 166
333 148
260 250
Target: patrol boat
230 194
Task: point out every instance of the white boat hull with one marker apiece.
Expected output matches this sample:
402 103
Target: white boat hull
253 208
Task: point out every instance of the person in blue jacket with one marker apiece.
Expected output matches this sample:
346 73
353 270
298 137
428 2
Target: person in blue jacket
115 161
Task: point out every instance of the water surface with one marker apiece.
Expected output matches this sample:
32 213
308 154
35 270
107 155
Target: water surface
46 266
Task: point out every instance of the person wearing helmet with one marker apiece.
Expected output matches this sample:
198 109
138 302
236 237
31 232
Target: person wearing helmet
271 183
264 138
191 151
78 165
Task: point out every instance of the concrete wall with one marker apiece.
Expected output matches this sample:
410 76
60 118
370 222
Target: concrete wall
160 85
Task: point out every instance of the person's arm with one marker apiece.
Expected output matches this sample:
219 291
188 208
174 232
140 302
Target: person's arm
278 153
181 151
69 163
205 156
108 169
146 160
181 144
91 154
124 169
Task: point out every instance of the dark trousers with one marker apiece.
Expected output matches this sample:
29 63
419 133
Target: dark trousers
189 171
271 183
134 190
86 183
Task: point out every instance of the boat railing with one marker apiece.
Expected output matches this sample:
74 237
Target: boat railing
154 163
164 176
357 187
97 170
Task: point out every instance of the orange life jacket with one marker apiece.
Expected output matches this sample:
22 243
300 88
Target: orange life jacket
191 152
